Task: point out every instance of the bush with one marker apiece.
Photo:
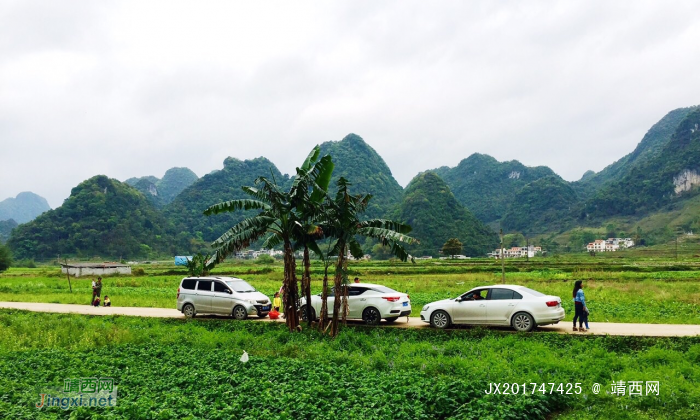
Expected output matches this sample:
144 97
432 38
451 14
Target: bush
264 259
138 271
25 263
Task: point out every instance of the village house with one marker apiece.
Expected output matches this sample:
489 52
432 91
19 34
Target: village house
517 252
609 245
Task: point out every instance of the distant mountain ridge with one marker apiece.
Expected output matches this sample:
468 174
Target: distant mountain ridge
163 191
23 208
661 176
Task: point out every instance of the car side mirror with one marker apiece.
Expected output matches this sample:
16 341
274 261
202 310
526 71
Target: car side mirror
229 292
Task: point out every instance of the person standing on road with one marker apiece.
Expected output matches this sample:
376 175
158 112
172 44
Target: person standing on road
581 311
94 292
98 287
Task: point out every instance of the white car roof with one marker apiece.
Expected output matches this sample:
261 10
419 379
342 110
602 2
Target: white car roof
500 286
370 285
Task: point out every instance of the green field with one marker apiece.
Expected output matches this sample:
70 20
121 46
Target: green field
638 291
173 368
167 369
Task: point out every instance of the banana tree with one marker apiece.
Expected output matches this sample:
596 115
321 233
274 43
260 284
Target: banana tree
280 221
342 222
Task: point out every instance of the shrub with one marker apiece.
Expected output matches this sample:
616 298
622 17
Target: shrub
264 259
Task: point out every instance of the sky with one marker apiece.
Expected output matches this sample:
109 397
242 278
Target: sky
130 89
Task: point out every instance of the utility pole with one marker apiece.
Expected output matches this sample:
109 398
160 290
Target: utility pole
503 260
527 244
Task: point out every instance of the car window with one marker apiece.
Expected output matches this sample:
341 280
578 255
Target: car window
517 295
382 289
220 287
204 285
240 286
501 294
475 295
531 292
356 291
189 284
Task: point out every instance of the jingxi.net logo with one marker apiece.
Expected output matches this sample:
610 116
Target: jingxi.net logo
80 392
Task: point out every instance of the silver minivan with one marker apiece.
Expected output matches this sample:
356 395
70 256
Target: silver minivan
221 295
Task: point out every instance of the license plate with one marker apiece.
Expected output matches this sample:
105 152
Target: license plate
405 304
265 308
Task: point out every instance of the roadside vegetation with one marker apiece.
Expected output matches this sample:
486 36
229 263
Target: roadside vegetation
638 291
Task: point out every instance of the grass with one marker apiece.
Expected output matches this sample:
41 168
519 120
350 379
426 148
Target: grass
190 369
618 290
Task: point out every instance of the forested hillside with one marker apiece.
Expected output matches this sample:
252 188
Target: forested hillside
669 175
6 227
359 163
435 215
652 143
23 208
102 217
486 186
185 212
544 205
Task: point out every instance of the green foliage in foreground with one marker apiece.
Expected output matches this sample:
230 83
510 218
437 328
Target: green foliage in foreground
190 369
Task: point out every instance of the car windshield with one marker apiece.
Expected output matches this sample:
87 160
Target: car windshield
532 292
383 289
240 286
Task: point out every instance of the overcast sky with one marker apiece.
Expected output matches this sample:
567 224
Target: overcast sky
133 88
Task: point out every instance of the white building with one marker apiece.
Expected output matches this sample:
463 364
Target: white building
94 269
517 252
609 245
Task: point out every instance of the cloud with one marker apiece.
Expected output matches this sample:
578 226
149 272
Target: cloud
134 88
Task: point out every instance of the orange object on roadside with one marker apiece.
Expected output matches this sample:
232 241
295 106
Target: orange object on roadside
274 314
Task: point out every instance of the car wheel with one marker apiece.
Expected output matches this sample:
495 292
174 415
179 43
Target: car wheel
390 320
371 316
523 322
303 314
188 310
240 313
440 319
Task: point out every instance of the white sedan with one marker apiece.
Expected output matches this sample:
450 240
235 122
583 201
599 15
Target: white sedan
368 302
502 305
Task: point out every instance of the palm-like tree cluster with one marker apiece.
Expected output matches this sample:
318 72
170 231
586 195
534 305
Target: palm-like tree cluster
299 219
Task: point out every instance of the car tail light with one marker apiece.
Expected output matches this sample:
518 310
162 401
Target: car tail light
552 303
178 293
391 298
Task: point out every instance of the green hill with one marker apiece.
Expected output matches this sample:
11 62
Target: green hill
668 175
435 214
163 191
543 205
23 208
6 227
185 211
102 217
486 186
650 146
366 170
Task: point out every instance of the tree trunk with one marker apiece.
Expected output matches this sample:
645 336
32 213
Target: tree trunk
346 309
306 284
291 293
337 283
323 318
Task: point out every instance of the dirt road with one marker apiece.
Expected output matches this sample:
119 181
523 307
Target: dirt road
597 328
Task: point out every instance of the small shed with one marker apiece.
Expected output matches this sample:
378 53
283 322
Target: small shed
94 269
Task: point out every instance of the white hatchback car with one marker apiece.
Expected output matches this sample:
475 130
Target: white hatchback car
368 302
502 305
220 295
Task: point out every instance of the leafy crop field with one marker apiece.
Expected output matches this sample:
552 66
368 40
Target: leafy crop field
618 290
167 369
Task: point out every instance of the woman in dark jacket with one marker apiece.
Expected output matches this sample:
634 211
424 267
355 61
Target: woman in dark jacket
581 311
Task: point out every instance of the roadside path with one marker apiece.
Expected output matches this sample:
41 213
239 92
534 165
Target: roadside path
597 328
